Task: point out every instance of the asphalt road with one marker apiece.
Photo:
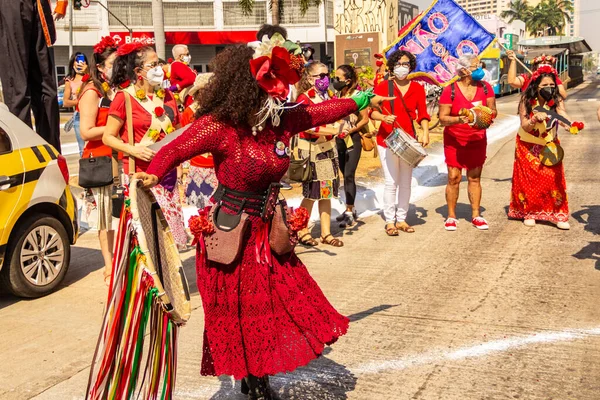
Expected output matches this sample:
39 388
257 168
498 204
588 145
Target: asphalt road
509 313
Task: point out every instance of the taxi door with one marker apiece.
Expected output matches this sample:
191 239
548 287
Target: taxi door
12 177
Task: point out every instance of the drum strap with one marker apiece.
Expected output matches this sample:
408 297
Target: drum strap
391 94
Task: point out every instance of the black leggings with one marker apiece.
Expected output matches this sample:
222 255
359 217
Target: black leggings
349 158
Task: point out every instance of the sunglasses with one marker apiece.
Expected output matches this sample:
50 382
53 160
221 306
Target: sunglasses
321 75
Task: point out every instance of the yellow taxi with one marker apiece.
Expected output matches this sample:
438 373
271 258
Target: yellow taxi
38 213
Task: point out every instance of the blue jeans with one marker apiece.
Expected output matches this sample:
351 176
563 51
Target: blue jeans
80 141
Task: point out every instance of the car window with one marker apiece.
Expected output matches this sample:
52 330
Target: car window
5 146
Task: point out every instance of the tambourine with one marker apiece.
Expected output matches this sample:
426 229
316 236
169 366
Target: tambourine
552 154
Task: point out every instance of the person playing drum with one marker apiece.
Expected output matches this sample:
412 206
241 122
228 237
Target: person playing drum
539 191
464 144
408 107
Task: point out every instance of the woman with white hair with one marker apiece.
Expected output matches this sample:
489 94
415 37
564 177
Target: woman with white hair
181 75
465 143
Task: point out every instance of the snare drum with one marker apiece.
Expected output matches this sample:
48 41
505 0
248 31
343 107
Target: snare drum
406 147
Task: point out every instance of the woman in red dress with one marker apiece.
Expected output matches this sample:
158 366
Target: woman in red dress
464 145
539 191
154 114
93 106
264 314
398 174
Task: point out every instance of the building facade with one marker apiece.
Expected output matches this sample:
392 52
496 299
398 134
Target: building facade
484 7
205 26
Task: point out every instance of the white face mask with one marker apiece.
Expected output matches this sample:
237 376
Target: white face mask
155 76
108 73
186 59
401 72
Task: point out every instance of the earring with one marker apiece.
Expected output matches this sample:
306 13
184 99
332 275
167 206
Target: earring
140 78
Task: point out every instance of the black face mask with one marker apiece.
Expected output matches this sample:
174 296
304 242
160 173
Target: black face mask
547 93
338 85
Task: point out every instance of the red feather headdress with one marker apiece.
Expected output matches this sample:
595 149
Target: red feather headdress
104 43
129 48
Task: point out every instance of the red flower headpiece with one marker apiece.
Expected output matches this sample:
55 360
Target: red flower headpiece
275 74
378 56
104 44
540 59
170 60
379 63
130 48
544 69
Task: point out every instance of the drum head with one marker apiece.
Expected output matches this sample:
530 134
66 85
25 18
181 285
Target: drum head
552 154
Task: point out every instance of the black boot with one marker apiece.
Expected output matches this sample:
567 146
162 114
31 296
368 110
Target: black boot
257 388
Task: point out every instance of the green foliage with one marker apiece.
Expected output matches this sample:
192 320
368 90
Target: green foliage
549 17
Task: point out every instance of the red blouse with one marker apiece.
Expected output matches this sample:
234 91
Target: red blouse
304 99
415 103
96 148
465 133
141 122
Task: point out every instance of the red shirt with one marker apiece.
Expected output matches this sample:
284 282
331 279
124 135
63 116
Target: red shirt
182 75
464 132
203 160
415 103
96 148
141 122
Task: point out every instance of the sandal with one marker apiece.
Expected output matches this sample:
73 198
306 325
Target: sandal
404 227
391 230
333 241
308 242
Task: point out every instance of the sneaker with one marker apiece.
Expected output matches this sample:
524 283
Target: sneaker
529 222
563 225
451 224
480 223
285 186
348 220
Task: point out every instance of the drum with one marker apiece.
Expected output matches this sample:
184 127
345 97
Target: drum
406 147
162 257
552 154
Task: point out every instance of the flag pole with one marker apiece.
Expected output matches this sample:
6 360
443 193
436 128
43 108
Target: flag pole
516 58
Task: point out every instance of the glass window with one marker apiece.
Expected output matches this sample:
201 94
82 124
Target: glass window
5 146
292 14
198 68
132 13
61 72
233 15
189 14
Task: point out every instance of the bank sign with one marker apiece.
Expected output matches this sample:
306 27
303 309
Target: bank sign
437 37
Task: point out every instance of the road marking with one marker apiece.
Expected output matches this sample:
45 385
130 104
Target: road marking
480 350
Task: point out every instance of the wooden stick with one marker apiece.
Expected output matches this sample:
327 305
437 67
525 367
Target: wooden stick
516 58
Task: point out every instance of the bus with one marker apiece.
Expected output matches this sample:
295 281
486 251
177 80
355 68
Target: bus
497 62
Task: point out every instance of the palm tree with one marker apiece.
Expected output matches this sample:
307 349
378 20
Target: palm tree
277 7
550 17
518 9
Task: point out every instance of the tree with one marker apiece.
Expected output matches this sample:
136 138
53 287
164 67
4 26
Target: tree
550 17
277 7
518 9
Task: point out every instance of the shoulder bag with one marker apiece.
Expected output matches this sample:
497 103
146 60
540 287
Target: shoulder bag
300 169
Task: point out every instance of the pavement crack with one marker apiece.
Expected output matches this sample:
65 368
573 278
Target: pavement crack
423 386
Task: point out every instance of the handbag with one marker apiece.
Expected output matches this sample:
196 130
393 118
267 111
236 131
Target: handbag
95 172
300 169
279 234
366 140
225 244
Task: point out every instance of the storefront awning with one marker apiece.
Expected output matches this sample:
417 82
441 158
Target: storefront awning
199 37
574 44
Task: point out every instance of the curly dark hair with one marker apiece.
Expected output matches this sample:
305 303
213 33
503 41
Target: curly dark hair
349 73
124 66
72 72
532 92
232 95
397 55
270 30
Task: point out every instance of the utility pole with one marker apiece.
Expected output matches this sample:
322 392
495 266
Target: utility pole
159 27
325 18
70 28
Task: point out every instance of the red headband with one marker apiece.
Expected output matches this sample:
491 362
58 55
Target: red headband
544 69
129 48
105 43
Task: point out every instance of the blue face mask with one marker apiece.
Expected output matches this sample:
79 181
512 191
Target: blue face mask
478 74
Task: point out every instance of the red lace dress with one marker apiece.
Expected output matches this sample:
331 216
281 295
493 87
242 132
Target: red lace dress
260 318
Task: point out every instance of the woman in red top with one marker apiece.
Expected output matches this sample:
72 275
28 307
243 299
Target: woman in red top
138 75
398 174
94 102
464 145
319 144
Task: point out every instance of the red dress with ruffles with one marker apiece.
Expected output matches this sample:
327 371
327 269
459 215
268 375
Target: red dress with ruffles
538 192
261 317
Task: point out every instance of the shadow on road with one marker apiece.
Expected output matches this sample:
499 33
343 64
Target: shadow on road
590 216
590 252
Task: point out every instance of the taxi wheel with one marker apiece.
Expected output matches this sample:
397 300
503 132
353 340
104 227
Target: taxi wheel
38 257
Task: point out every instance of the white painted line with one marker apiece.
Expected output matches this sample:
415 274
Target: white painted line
476 351
592 99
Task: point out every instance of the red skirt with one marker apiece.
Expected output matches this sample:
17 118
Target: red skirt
538 192
261 318
464 156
